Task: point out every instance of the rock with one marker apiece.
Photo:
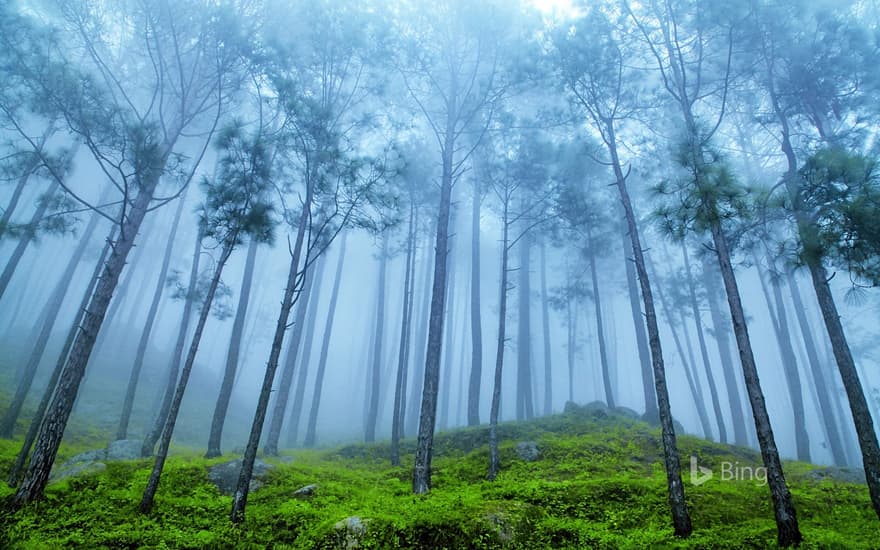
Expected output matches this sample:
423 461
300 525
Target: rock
350 532
626 412
79 469
307 491
571 408
528 451
596 409
499 522
837 473
225 475
88 456
124 449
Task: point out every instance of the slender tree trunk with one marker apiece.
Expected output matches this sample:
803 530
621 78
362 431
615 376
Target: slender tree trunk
294 276
641 335
779 320
311 323
283 393
59 411
525 403
495 411
545 320
397 420
600 334
375 382
232 355
704 351
680 517
168 430
6 218
448 350
476 374
311 429
25 240
428 415
788 532
128 402
826 410
693 378
161 417
421 340
56 300
49 390
721 339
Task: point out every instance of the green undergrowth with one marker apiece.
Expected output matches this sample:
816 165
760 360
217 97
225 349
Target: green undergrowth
599 483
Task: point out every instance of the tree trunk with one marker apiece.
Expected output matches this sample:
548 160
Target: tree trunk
397 420
779 320
788 532
168 430
545 320
375 381
525 403
232 355
49 390
128 402
428 414
161 417
720 332
56 300
495 411
445 386
826 410
704 352
680 517
59 411
283 393
239 499
600 333
421 340
6 218
476 374
311 429
25 240
641 336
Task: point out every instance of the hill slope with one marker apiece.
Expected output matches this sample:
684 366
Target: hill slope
597 482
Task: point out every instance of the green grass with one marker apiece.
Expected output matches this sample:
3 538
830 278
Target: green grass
599 484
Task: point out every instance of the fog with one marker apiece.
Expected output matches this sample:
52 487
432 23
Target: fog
508 105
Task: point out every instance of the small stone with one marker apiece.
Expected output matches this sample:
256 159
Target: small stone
528 451
350 532
307 491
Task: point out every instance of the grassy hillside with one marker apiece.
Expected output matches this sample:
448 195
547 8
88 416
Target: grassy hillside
598 483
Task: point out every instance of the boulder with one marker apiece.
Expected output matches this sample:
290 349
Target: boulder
124 449
596 409
78 469
837 473
571 408
626 412
225 475
350 532
528 451
307 491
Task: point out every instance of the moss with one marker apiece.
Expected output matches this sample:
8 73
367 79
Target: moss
599 484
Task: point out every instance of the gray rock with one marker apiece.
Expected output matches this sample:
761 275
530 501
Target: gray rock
626 412
88 456
225 475
350 532
78 469
571 408
528 451
837 473
594 406
124 449
307 491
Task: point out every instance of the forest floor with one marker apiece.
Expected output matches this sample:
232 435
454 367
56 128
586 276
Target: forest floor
597 482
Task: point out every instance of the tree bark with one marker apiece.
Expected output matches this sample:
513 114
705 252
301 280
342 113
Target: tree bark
495 410
525 403
375 381
49 390
476 374
600 333
59 411
161 417
311 429
788 532
545 320
56 300
168 430
283 393
232 355
397 420
641 336
128 402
